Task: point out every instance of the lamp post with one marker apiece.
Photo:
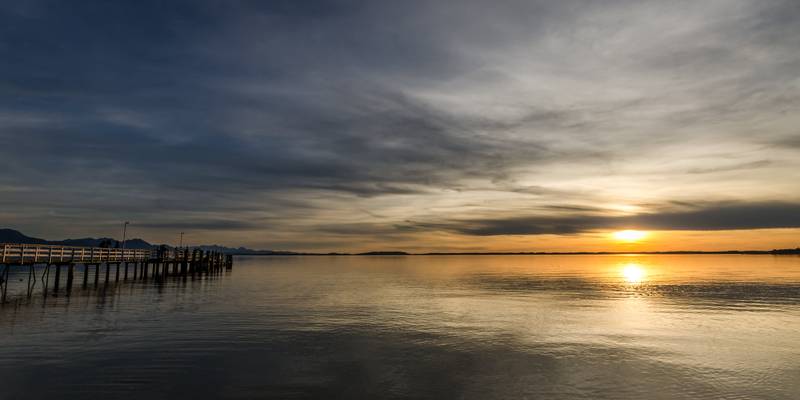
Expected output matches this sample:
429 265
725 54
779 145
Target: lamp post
181 245
124 232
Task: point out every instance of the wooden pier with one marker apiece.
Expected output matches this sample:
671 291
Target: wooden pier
135 264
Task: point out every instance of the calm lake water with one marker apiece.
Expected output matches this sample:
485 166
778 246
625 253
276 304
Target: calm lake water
438 327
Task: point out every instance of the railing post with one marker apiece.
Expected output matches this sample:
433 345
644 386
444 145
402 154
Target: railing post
5 247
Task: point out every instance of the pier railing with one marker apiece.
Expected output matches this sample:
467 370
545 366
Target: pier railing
36 253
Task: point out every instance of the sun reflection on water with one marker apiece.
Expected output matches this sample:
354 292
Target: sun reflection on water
634 273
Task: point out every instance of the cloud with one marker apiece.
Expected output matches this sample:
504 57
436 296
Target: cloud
725 216
788 142
200 224
733 167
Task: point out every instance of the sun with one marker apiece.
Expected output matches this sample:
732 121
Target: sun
630 235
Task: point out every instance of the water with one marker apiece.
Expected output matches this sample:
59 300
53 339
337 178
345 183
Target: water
439 327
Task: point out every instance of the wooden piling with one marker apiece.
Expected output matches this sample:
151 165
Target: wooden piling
70 276
57 278
31 280
4 278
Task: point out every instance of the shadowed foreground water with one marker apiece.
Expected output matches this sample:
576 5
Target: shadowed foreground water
480 327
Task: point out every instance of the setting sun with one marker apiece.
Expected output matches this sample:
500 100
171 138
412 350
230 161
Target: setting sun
630 235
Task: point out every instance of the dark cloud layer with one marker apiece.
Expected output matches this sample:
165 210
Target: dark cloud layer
706 217
294 115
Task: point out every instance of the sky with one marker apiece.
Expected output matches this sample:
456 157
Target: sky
404 125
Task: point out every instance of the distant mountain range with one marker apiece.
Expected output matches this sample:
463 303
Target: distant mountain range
12 236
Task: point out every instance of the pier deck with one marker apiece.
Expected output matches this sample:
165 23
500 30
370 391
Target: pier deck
149 263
